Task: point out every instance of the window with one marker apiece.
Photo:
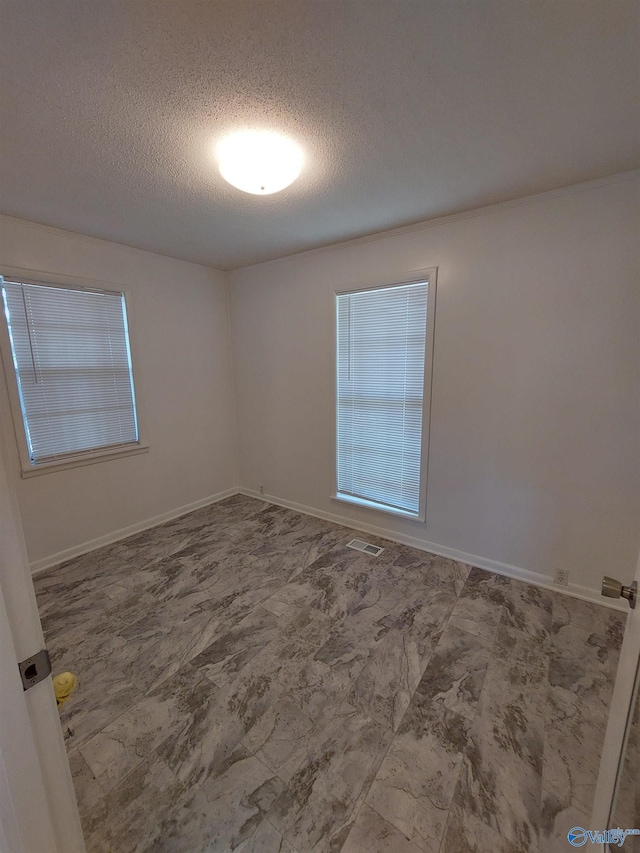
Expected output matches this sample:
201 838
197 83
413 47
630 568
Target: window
384 345
70 351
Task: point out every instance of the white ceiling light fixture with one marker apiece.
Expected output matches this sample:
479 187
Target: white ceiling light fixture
259 161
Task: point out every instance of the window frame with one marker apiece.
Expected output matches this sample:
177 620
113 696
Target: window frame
429 275
89 457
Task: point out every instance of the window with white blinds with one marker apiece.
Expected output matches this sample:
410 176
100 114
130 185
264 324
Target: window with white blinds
70 349
381 347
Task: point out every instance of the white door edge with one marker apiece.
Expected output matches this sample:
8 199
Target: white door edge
24 809
621 702
40 809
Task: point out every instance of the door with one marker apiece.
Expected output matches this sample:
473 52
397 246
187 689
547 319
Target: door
617 799
38 811
25 823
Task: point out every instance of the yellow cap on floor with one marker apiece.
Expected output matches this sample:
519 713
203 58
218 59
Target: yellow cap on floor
63 686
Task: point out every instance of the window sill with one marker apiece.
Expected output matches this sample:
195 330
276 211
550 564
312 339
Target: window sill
388 510
81 460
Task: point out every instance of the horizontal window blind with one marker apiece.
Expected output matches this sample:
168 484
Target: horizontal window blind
72 361
381 339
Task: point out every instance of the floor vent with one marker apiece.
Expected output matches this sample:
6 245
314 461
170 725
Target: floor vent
366 547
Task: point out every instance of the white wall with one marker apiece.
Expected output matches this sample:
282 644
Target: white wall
535 425
180 345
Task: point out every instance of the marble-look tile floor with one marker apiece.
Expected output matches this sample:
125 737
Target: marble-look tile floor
247 683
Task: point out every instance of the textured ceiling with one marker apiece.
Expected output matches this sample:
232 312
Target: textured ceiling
406 109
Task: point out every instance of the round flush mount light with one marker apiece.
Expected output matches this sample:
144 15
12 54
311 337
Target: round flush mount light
259 161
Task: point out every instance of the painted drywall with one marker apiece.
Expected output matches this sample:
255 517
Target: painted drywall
535 422
182 363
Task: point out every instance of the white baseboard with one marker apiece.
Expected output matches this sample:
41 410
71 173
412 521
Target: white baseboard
85 547
536 578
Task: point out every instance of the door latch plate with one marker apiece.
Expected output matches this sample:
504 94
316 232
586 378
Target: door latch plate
35 669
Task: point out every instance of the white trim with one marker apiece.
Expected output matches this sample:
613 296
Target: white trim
78 235
27 469
368 504
430 276
115 536
89 458
234 395
55 279
571 189
573 590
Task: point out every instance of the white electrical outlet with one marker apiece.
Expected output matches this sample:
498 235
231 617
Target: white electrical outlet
261 488
562 577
